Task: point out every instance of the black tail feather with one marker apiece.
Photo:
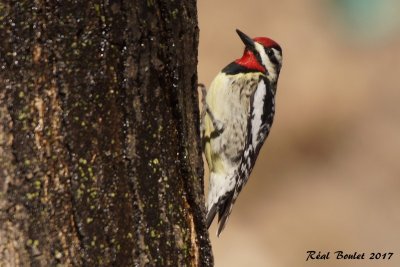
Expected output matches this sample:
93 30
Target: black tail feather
222 223
223 207
211 214
224 211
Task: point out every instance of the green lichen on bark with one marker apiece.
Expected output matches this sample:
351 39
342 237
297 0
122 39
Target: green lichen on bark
99 137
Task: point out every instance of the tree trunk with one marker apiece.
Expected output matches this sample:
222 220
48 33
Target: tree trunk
100 159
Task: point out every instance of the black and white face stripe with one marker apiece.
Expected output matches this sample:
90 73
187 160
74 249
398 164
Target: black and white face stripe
271 54
277 53
270 58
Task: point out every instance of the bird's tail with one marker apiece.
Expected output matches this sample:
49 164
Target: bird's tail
224 209
220 202
211 215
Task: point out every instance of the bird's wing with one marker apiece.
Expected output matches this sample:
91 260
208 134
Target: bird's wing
259 121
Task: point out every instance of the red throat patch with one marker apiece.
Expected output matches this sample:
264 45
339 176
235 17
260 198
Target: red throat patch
249 61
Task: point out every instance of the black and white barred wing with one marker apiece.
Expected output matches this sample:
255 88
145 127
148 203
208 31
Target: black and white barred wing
259 122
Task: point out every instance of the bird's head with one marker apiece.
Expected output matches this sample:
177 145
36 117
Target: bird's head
261 54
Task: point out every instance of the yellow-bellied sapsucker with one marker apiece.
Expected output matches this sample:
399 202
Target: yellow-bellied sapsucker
238 113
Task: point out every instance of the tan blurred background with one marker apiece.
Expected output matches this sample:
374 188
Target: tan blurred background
328 177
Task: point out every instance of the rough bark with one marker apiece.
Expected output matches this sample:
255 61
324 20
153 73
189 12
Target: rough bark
100 160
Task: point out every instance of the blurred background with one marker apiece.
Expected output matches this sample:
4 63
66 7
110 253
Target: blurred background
328 177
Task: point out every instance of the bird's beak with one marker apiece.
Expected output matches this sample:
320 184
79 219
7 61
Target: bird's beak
248 42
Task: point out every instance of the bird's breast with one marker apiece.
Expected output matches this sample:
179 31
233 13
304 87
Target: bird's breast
229 100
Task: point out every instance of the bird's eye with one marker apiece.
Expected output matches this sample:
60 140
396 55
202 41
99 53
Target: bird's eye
270 52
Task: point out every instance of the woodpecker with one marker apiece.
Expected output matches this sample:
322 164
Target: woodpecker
238 112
